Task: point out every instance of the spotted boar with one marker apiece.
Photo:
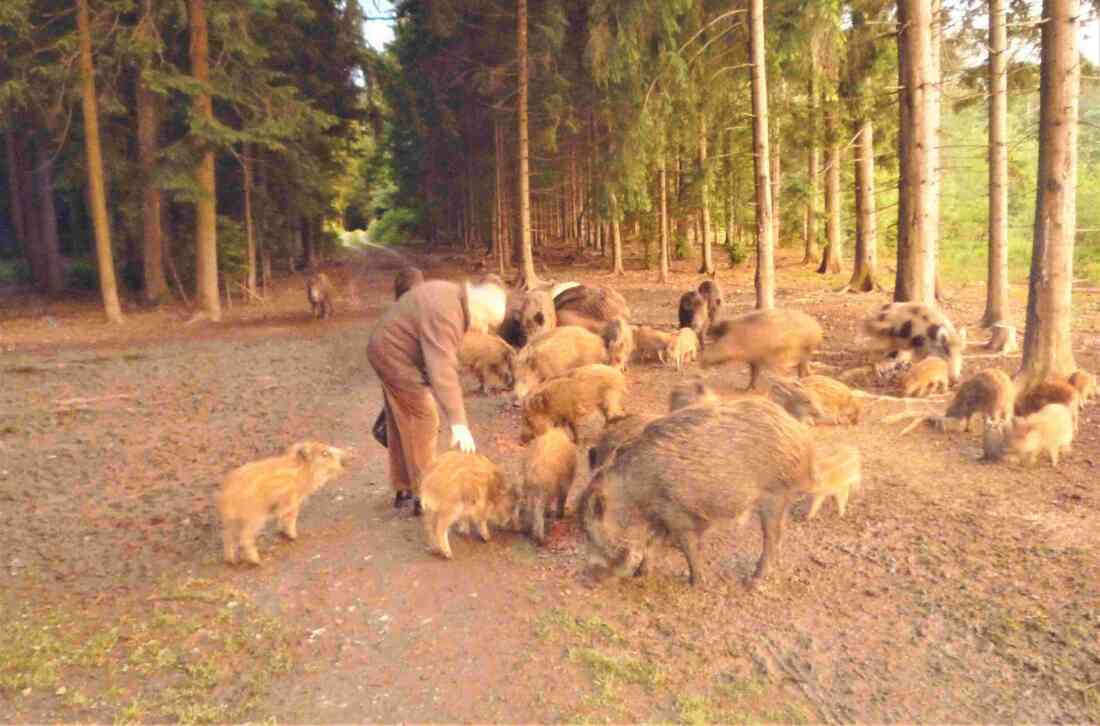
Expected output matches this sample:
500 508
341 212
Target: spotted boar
319 293
467 489
1047 392
690 469
765 339
278 486
489 358
650 343
1050 430
693 313
554 354
920 328
683 348
837 473
618 338
406 279
568 400
989 394
549 465
925 378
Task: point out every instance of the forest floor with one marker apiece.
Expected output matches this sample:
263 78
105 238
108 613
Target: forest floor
953 590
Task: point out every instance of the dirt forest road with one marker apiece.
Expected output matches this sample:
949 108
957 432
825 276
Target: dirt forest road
953 590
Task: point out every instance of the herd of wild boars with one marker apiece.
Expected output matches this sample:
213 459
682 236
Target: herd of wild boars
562 356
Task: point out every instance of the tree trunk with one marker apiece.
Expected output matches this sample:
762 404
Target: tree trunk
996 298
50 251
498 190
32 209
916 277
15 194
708 254
108 288
834 253
777 185
527 275
206 215
765 252
813 158
1048 341
866 255
617 238
154 282
663 173
250 232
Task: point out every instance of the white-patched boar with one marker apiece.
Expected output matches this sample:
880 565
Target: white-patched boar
694 467
683 348
489 358
917 327
549 465
1049 430
568 400
618 338
467 489
765 339
925 378
615 435
554 354
989 394
837 474
319 292
650 343
694 313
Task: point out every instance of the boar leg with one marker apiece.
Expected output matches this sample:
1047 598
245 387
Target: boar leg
561 503
842 498
538 520
771 522
483 529
754 375
1054 456
819 499
248 540
439 534
231 535
288 521
689 545
804 364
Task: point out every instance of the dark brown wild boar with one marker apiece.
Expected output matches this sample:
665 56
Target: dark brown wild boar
615 435
554 354
549 465
765 339
489 358
694 313
989 394
693 468
712 293
568 400
1047 392
590 307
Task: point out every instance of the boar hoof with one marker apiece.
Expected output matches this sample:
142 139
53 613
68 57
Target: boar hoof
417 508
402 497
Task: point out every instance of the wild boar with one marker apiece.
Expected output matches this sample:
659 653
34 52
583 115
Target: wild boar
838 401
803 404
765 339
618 338
683 349
1049 429
650 343
990 394
712 293
489 358
920 328
837 474
1047 392
537 314
406 279
554 354
694 313
278 486
549 465
568 400
468 489
319 292
1085 383
691 392
692 468
926 377
615 435
590 306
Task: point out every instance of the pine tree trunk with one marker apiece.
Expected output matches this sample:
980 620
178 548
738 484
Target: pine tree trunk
250 232
777 185
617 238
663 174
32 214
865 260
996 299
831 261
50 250
206 215
108 288
813 158
498 191
935 96
15 194
916 278
528 276
1048 340
765 252
708 254
155 283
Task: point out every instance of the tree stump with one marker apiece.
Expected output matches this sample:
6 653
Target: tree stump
1004 339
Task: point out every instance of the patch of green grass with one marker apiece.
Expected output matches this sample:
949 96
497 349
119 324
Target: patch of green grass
589 630
739 688
610 671
199 653
695 709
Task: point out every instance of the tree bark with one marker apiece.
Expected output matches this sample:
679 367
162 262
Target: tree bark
831 261
15 194
1048 339
866 254
206 215
996 299
916 276
250 232
155 283
765 252
50 250
528 276
708 253
777 185
498 189
32 209
616 237
108 287
663 173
